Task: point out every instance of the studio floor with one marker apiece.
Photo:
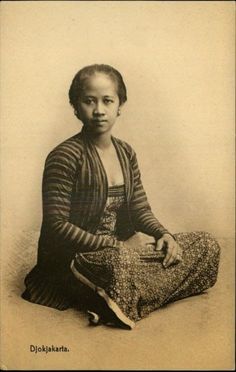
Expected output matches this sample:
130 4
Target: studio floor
194 333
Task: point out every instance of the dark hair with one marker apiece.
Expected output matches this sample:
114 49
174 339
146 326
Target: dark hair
78 82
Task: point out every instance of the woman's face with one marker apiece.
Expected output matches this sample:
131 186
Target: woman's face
99 103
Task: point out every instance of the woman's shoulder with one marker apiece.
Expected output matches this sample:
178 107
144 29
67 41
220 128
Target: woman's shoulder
71 148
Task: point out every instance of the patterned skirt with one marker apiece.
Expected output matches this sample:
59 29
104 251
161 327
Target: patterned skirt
122 286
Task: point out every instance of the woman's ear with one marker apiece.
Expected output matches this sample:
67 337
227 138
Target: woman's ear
76 112
119 109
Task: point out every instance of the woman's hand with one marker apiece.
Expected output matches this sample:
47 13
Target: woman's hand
172 248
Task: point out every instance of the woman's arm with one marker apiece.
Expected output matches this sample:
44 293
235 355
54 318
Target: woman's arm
145 221
61 169
141 213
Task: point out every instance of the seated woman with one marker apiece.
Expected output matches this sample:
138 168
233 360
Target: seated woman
94 204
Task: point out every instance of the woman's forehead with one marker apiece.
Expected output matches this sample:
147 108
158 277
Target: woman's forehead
99 82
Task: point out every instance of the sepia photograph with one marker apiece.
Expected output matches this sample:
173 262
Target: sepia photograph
117 185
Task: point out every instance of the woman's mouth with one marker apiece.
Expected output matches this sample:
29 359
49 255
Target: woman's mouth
99 121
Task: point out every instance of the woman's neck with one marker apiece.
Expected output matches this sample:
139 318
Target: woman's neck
102 141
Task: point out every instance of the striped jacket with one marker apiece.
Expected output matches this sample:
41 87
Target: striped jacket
75 190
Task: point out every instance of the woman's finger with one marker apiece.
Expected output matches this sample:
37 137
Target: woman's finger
171 260
170 256
179 253
178 257
159 244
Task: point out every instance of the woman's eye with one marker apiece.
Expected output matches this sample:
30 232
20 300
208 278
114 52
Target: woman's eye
108 101
89 101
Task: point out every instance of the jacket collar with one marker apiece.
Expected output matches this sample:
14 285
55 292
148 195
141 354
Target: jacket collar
122 156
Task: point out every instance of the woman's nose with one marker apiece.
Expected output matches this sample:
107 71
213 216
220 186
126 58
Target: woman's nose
99 109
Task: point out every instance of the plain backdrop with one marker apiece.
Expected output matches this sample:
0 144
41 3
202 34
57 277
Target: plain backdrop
177 60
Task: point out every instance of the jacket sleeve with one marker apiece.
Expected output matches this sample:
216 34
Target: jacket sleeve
141 213
61 168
